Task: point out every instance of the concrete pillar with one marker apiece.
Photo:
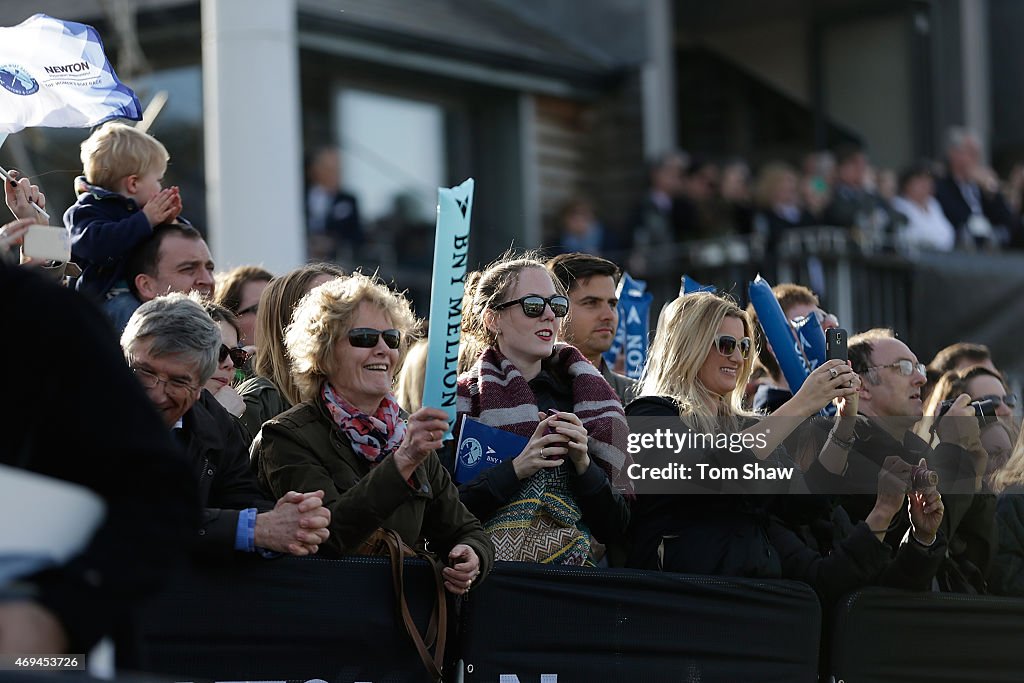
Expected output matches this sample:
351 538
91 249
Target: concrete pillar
252 133
974 48
659 80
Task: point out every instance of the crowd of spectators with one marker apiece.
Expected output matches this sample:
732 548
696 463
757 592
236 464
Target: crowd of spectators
276 393
954 203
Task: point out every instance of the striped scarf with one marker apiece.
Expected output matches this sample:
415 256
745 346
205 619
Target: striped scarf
543 523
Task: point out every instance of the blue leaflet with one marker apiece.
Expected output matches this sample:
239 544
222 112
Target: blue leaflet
481 447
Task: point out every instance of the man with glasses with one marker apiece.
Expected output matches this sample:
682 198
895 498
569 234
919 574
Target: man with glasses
171 344
890 406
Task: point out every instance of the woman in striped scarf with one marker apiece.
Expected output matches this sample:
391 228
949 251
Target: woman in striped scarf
555 498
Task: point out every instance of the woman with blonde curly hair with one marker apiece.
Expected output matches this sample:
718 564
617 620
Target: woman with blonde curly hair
347 340
552 500
701 354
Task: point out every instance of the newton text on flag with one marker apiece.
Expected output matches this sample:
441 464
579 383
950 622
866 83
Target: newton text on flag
54 74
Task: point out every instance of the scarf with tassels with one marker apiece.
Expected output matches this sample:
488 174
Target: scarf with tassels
374 437
542 524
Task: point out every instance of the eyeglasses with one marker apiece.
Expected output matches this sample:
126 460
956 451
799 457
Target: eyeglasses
533 305
1010 400
906 367
173 387
366 337
249 309
238 355
726 345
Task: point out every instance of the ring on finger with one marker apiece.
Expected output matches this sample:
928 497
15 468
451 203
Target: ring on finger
833 373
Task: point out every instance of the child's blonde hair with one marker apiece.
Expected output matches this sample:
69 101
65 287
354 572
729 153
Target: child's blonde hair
116 151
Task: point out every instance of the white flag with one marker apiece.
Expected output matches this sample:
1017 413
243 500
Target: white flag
53 73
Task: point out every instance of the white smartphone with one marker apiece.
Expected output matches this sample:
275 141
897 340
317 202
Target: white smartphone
47 243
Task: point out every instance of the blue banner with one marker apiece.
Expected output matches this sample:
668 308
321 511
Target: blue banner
611 356
54 73
451 256
635 310
481 447
688 285
782 338
812 338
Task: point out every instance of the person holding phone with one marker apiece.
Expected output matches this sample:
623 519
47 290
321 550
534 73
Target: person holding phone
702 352
550 502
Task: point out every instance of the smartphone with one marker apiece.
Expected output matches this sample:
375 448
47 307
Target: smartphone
549 430
47 243
835 344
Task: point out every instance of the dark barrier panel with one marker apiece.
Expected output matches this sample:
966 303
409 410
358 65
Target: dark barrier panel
893 637
621 625
975 297
286 619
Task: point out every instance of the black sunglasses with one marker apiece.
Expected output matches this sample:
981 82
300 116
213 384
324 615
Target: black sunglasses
726 344
238 355
366 337
533 305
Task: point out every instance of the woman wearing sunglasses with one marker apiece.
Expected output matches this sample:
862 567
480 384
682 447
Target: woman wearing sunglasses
347 340
701 354
230 360
551 500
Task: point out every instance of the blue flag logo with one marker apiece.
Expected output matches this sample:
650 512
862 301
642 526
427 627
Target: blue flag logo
17 80
481 447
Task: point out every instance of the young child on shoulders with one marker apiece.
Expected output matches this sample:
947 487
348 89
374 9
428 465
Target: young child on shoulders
120 201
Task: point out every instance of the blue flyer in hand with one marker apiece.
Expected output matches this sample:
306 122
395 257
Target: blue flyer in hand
481 447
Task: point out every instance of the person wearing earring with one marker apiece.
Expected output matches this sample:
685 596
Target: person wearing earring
377 466
554 502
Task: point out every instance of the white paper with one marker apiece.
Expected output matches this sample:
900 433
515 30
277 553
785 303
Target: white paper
43 521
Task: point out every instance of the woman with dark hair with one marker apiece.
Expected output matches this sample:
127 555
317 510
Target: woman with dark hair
927 226
239 291
551 501
272 391
230 360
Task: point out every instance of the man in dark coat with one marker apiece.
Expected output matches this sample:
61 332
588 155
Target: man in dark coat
890 406
334 228
171 345
970 195
75 413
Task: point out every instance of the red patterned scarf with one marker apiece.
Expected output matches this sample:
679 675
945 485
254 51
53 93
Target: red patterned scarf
373 436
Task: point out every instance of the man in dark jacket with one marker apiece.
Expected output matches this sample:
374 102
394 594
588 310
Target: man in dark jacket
334 229
890 406
970 195
174 258
589 282
171 345
76 414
